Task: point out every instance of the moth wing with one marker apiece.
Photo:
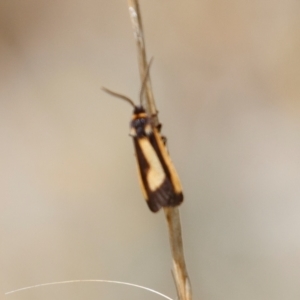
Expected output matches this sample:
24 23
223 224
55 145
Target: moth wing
155 185
158 144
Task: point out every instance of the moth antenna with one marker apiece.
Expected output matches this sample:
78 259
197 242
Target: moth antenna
145 80
118 95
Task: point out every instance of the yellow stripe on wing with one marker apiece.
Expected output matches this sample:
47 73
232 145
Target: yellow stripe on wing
173 173
155 174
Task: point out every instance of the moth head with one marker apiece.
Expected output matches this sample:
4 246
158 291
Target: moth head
140 125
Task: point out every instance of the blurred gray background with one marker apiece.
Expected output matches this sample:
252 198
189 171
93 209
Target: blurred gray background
226 78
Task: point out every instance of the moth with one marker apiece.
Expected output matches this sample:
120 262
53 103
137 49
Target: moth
158 178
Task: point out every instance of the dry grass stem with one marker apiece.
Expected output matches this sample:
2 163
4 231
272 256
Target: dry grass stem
172 214
180 274
135 16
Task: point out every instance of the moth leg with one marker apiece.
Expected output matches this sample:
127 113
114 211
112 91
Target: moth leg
164 139
158 127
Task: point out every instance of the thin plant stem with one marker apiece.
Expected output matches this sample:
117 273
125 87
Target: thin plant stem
171 213
135 16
